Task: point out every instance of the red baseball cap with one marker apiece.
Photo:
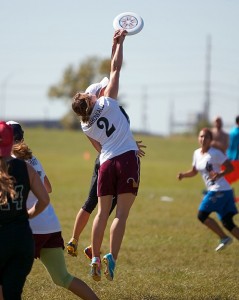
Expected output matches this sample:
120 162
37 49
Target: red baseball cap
6 139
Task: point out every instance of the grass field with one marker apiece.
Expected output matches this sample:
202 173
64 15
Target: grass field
166 252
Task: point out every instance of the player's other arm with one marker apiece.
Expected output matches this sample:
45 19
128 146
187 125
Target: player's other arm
95 144
190 173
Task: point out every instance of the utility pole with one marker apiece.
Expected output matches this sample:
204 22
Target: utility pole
171 118
207 101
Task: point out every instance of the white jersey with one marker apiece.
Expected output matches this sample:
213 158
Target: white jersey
211 161
46 221
110 128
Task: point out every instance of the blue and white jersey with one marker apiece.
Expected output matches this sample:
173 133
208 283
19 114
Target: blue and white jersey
110 128
210 162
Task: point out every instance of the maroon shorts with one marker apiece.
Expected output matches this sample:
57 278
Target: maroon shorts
48 240
119 175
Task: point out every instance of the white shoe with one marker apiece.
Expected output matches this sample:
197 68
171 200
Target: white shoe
96 268
224 243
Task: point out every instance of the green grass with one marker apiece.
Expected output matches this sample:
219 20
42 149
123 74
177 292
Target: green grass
166 252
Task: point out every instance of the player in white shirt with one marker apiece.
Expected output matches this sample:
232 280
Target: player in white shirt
39 224
46 229
119 173
92 199
219 197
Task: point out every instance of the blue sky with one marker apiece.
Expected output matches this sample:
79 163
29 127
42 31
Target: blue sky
164 65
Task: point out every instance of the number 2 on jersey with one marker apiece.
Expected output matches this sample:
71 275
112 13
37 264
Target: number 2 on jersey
104 123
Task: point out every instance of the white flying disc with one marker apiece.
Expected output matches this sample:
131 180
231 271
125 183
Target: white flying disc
129 21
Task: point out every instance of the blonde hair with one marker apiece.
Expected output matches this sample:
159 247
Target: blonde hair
6 183
22 151
81 106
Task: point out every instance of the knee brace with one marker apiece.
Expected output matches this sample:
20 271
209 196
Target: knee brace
202 216
228 223
63 281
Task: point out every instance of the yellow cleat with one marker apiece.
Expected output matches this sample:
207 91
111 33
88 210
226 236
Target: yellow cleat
71 247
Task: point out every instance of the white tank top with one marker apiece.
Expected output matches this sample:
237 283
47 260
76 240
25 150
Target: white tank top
46 221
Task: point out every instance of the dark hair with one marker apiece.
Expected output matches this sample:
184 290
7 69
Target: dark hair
81 106
237 119
18 133
208 132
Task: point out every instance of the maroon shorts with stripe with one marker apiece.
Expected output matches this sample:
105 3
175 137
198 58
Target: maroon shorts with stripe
119 175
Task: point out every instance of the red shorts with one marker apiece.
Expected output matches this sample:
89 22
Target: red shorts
119 175
234 175
48 240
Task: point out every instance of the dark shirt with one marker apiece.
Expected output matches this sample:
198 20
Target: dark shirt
15 210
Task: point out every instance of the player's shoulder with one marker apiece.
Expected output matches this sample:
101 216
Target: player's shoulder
214 151
17 162
197 153
107 99
33 161
225 133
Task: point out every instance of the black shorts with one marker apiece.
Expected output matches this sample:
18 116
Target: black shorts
16 257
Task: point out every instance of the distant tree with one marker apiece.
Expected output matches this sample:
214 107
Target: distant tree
77 79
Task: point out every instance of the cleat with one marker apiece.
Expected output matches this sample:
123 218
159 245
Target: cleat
88 252
95 271
224 243
110 266
71 247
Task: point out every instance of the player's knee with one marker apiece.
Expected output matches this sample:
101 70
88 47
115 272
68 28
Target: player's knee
228 223
63 281
202 216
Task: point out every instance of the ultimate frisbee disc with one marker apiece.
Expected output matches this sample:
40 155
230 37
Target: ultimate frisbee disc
129 21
